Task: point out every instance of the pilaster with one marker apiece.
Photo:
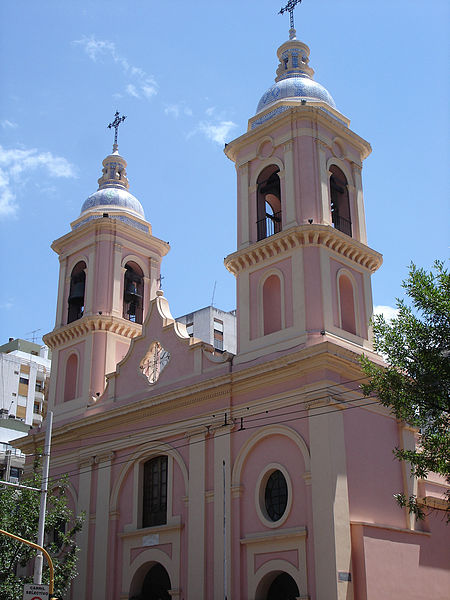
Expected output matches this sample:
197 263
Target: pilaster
331 518
101 553
196 517
291 218
83 506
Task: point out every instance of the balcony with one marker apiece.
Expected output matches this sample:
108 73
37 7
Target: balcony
270 225
342 224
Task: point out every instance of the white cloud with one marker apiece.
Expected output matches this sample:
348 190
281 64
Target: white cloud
175 110
7 124
142 85
15 166
218 132
388 312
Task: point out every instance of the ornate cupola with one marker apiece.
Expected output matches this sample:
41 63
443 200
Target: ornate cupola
109 272
302 263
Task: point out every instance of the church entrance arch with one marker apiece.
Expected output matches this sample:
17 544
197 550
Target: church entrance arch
155 584
277 585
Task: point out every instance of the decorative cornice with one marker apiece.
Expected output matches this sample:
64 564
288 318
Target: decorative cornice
304 235
88 324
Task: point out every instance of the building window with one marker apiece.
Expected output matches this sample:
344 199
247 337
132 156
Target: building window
23 380
272 304
37 408
76 293
268 205
276 496
133 292
218 335
340 203
154 505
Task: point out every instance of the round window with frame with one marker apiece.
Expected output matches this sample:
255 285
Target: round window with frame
273 495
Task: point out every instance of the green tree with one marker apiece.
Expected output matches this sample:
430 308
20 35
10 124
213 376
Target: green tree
415 384
19 514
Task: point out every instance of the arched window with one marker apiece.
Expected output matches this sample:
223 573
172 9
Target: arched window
271 298
76 293
156 585
340 203
133 291
154 505
347 304
283 587
70 381
268 202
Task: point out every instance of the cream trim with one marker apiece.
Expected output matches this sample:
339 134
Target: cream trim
247 447
304 235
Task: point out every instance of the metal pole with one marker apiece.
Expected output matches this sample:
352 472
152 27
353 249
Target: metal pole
47 556
8 465
225 578
37 578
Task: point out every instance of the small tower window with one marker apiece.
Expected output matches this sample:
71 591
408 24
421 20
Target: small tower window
70 383
347 304
133 293
268 202
340 203
272 304
76 294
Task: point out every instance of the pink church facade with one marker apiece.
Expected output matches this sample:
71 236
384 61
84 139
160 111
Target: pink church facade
256 476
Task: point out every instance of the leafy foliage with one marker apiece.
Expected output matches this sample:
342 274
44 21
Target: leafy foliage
19 514
415 384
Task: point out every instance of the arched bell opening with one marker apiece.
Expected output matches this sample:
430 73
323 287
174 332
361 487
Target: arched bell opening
268 202
133 293
340 202
277 585
76 292
154 585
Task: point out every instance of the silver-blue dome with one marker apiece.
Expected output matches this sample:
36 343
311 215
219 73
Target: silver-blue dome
295 87
114 197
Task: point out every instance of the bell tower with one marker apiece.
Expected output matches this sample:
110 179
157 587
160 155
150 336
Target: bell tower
109 272
303 266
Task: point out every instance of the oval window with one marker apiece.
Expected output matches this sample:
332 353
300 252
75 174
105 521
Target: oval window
276 496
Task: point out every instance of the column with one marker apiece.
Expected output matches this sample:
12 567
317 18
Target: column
83 506
90 282
101 552
118 275
244 202
196 517
222 561
360 215
331 518
289 218
325 208
61 289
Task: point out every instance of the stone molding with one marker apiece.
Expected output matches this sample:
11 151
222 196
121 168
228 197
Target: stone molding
301 236
88 324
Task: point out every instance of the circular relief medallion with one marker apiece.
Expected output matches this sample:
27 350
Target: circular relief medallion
154 362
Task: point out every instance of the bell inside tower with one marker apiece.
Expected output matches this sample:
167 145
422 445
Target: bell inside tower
76 294
133 293
268 203
340 204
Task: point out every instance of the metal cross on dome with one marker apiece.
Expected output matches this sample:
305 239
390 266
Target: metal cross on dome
117 121
290 6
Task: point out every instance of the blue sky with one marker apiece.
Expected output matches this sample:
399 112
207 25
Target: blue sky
188 76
